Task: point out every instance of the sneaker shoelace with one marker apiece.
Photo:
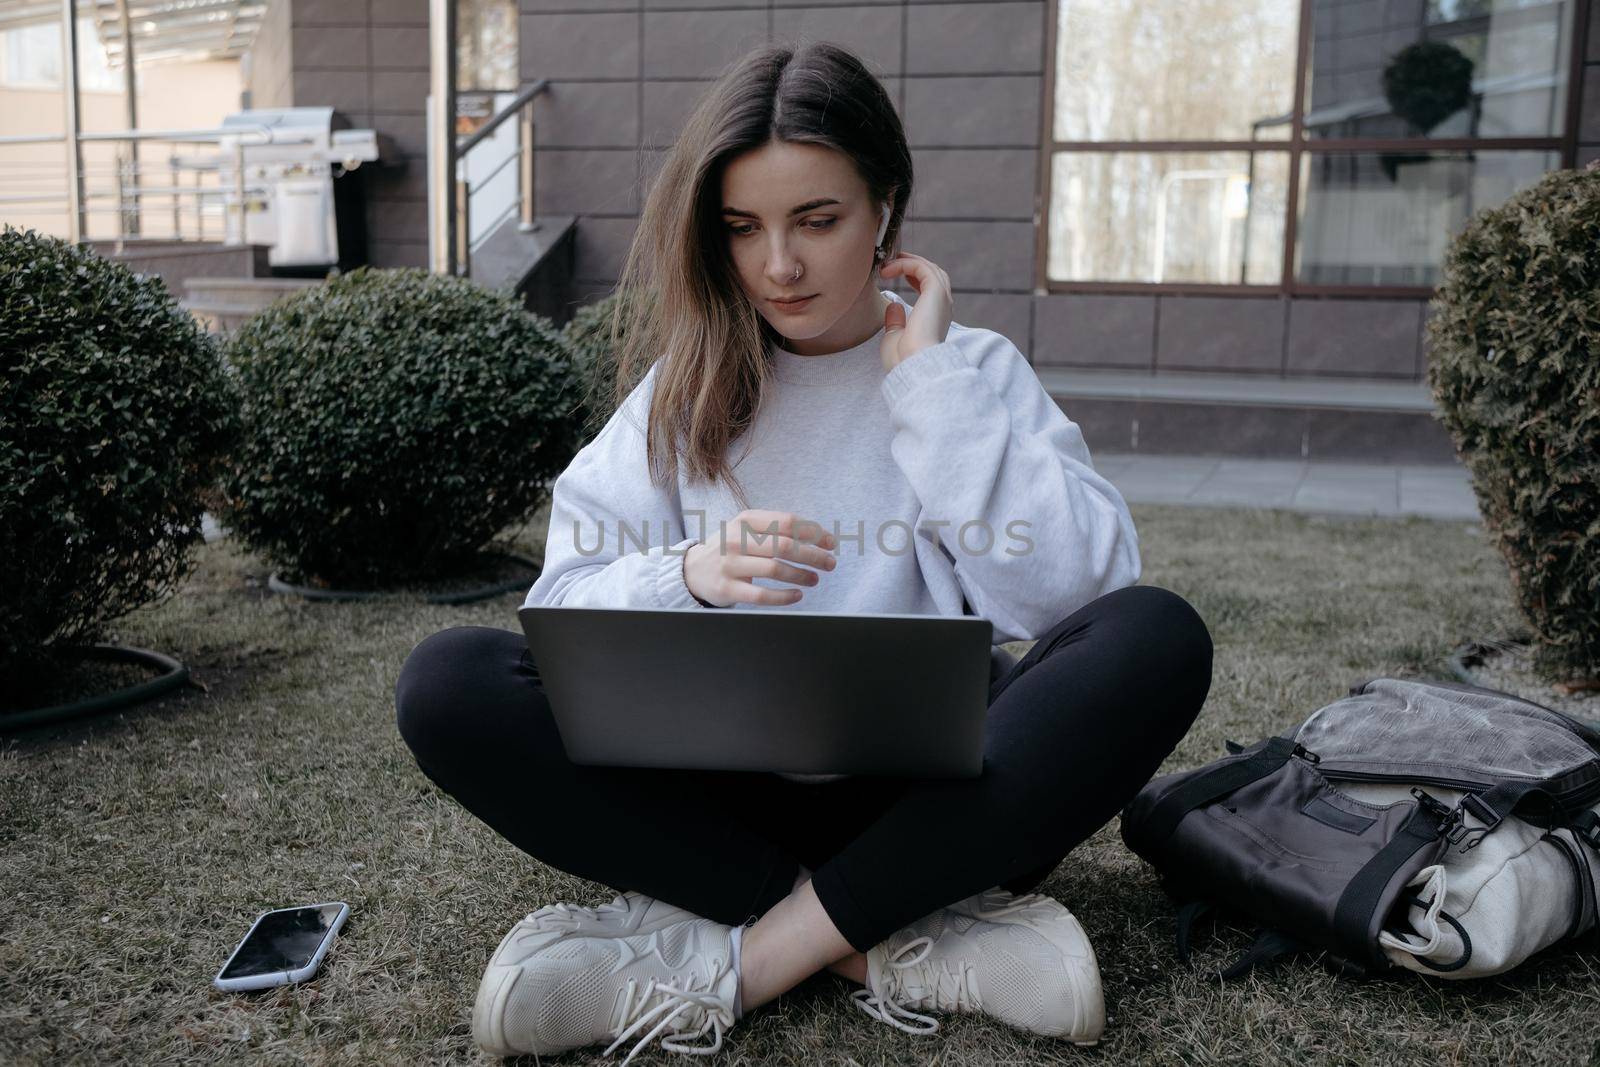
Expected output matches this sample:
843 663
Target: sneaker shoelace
991 903
674 1001
564 910
950 988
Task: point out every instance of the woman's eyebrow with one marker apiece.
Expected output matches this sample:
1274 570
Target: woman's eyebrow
807 206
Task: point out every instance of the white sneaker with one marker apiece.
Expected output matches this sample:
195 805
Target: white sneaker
547 990
1023 960
628 914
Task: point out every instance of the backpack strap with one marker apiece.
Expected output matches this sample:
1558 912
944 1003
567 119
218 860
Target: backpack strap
1213 784
1357 906
1586 825
1269 947
1493 805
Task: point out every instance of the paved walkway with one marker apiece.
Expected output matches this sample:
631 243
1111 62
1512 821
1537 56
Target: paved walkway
1437 491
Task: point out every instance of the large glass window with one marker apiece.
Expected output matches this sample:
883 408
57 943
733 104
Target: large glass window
1370 218
1168 217
1179 155
30 58
486 44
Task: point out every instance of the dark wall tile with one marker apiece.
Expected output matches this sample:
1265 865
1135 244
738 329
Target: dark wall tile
1094 330
1219 333
1379 437
397 253
400 12
538 6
576 114
320 13
587 45
976 255
399 48
409 132
1229 430
995 183
329 48
1589 121
983 38
343 90
872 32
1004 313
698 44
1106 425
579 181
973 112
399 90
1370 338
667 105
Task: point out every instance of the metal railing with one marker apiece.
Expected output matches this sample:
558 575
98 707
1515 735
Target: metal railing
519 107
122 180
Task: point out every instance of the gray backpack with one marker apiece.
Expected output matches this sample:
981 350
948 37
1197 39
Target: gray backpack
1446 828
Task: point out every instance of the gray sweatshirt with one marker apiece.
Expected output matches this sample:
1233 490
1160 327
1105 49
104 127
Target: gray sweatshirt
954 483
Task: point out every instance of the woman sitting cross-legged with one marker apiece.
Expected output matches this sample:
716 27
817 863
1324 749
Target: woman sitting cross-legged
902 463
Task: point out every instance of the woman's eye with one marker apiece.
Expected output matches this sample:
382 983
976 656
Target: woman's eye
814 224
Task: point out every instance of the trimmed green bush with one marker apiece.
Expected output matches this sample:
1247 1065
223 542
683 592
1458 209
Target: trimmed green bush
593 337
395 421
1515 372
115 417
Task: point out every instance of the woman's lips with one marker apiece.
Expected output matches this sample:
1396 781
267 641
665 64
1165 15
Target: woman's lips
796 305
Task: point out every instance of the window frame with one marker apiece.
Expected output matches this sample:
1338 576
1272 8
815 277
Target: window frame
1298 148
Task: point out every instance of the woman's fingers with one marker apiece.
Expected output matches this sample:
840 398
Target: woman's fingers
763 567
760 543
750 593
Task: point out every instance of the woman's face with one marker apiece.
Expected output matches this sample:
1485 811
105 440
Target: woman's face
788 206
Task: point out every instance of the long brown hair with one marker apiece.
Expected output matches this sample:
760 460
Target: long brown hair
684 309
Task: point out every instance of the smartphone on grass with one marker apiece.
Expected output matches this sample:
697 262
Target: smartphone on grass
282 946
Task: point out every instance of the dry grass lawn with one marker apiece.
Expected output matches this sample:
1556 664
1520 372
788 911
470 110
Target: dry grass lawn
136 848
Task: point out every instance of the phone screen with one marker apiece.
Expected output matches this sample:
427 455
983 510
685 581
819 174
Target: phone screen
282 941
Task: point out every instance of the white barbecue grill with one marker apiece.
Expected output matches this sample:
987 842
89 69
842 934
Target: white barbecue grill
301 196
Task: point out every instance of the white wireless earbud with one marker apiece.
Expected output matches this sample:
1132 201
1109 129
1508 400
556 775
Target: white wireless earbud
884 226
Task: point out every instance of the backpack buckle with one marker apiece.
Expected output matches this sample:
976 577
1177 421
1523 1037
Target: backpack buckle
1585 826
1481 811
1305 753
1474 835
1450 821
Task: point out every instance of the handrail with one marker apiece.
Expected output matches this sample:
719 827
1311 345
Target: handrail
500 116
461 190
268 133
494 172
131 191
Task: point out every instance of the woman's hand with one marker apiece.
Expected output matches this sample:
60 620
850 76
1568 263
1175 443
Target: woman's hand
753 545
930 316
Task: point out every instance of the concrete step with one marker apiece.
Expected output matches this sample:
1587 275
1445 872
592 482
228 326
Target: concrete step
176 263
1263 416
1432 490
222 304
538 264
251 288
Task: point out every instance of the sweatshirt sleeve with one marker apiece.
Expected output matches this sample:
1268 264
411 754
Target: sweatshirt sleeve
615 540
981 442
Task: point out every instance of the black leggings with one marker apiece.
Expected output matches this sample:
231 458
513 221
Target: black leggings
1073 731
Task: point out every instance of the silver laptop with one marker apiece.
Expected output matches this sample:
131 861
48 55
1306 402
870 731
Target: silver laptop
763 690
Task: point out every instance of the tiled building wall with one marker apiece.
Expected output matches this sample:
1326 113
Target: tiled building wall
968 78
369 59
268 71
